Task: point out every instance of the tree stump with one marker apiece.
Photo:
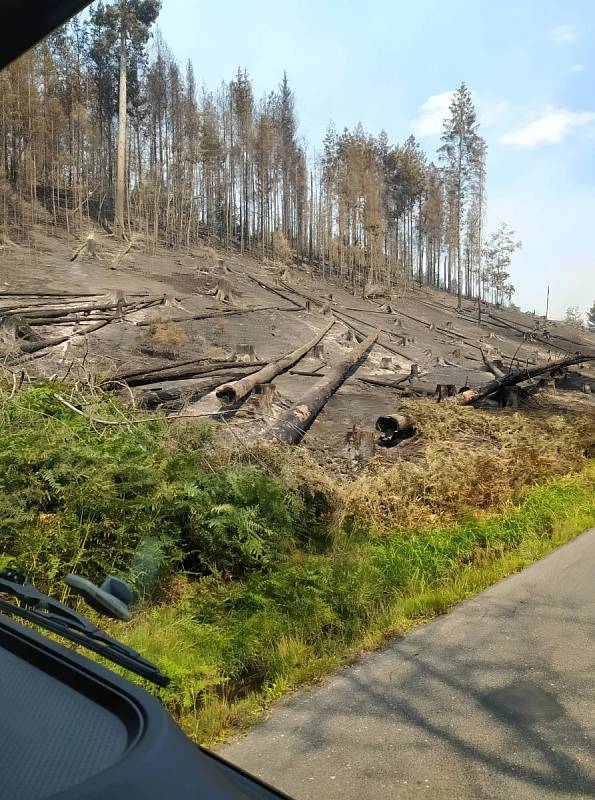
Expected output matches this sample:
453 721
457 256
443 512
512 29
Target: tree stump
508 397
224 291
120 302
282 277
444 390
263 396
246 352
317 351
386 362
439 362
408 340
359 445
9 333
449 326
169 300
414 373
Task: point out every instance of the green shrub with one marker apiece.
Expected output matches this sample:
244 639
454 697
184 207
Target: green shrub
134 499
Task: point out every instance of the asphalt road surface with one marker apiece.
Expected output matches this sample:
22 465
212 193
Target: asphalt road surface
494 700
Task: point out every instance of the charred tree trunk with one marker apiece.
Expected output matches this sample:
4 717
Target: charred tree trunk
292 426
233 392
472 395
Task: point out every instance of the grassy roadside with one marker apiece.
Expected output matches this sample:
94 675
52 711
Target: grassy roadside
233 650
258 571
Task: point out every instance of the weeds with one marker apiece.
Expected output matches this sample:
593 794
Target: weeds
166 336
472 460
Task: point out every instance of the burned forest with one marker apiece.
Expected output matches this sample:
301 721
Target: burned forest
252 374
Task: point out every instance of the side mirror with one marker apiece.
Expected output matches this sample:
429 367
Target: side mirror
112 598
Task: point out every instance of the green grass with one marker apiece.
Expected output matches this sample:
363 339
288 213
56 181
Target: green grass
258 573
233 648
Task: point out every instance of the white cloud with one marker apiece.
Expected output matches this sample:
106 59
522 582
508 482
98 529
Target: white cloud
564 34
433 112
552 127
488 111
577 68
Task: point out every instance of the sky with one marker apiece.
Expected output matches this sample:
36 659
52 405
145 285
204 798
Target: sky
393 65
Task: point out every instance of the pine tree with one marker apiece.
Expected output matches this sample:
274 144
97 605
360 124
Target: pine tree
591 317
458 151
122 27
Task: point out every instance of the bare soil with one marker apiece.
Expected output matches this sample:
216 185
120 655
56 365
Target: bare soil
423 325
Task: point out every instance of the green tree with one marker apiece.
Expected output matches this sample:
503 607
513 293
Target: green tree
459 154
498 253
591 317
573 317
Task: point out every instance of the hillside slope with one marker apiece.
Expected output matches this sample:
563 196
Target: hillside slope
422 339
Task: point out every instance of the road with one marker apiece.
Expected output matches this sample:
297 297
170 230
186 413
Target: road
493 700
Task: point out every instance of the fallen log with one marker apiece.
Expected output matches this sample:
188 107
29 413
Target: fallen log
493 368
386 384
228 312
33 349
233 392
120 311
183 373
270 288
176 396
525 329
470 396
292 426
394 428
57 312
346 320
123 377
53 294
309 373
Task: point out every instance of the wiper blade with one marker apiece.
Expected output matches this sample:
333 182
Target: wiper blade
54 616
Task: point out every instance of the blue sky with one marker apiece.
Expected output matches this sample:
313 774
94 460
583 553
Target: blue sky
392 66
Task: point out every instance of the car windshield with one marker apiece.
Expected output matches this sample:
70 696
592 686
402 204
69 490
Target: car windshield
297 352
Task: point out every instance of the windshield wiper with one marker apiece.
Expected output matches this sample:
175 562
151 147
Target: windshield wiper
38 608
